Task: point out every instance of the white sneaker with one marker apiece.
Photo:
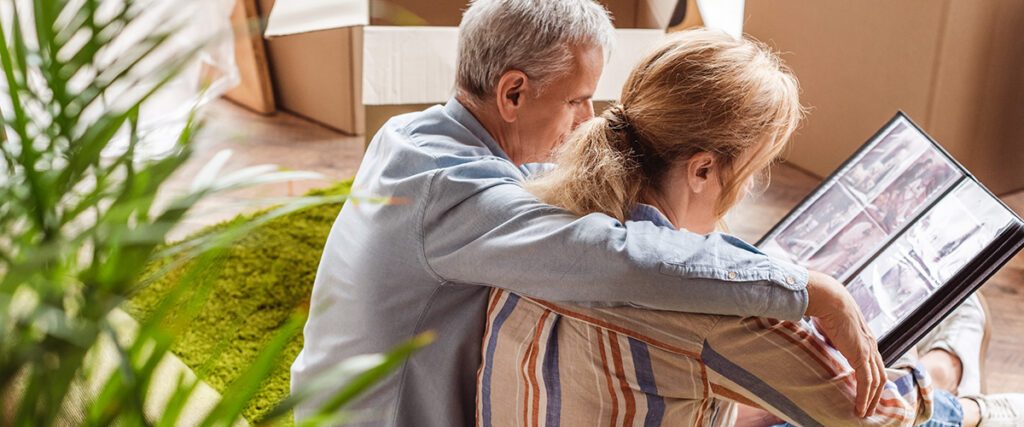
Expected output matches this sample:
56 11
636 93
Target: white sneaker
965 334
999 410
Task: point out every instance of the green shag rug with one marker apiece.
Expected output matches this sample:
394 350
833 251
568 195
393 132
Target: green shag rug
257 285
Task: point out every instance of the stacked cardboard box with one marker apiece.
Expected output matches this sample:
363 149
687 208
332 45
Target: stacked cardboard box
953 66
254 90
351 64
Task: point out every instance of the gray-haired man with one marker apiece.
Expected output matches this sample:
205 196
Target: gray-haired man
527 70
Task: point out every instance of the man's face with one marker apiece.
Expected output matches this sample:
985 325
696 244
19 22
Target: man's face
545 120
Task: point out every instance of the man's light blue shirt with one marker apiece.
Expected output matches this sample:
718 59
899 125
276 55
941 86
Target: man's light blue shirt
391 271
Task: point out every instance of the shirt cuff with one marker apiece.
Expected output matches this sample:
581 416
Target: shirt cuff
789 276
788 296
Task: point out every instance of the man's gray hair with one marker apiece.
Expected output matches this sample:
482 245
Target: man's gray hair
532 36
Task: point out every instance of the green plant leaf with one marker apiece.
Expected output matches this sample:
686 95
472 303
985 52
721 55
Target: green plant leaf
360 383
78 230
238 394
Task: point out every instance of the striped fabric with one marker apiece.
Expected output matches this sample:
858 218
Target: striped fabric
548 364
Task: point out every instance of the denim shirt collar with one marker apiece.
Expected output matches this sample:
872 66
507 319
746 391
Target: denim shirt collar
458 112
645 212
464 117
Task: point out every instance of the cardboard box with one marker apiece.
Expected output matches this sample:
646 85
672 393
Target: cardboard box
351 64
254 90
953 66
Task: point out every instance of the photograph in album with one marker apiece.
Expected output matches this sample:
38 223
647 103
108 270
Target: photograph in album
907 229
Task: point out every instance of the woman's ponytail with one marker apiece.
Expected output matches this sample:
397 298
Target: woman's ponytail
700 91
598 169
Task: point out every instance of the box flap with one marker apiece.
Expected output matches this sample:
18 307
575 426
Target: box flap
408 65
417 13
631 45
303 16
416 65
655 14
725 15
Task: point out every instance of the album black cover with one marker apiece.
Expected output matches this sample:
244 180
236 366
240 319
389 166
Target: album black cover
907 229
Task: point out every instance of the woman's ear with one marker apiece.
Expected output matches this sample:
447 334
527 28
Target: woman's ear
701 169
511 94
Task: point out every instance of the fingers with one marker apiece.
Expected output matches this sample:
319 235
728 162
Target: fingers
875 385
844 326
865 389
880 364
873 391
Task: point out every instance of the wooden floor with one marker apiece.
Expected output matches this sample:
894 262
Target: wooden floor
280 139
1005 296
296 144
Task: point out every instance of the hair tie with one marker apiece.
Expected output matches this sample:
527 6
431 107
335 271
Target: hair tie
618 120
636 147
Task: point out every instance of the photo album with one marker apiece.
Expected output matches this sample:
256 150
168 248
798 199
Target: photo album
907 229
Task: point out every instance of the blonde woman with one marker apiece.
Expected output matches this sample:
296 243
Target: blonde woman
699 119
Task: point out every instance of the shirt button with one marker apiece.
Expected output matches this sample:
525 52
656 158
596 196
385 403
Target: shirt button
732 275
790 280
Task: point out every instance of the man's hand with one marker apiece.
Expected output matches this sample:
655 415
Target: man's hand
839 318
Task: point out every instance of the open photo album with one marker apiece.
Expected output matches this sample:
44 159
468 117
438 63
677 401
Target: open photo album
907 229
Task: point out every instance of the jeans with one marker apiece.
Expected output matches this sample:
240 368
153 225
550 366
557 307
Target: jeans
946 411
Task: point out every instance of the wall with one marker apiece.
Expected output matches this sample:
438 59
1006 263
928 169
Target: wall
956 67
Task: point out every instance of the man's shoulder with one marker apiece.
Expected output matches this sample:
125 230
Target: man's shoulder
435 133
439 143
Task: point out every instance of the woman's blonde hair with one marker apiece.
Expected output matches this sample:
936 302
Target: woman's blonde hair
701 91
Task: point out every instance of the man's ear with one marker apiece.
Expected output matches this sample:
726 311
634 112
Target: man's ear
511 94
700 170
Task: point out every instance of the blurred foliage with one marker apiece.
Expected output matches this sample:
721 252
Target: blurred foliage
78 228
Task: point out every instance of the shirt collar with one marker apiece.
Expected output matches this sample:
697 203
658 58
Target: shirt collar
645 212
464 117
455 109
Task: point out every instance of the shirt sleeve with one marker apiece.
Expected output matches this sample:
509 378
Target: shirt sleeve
480 226
788 369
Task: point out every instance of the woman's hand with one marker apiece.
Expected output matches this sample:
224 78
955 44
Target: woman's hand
839 318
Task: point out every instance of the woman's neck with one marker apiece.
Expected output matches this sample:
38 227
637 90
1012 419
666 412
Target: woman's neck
663 205
683 209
